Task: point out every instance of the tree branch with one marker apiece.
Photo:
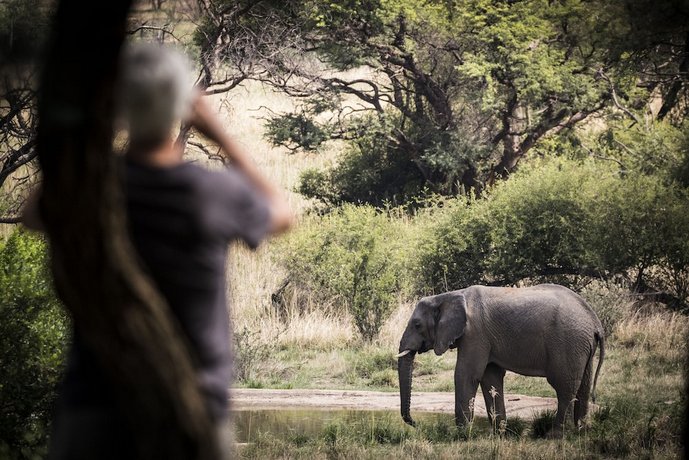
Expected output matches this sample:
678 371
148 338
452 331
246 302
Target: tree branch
10 219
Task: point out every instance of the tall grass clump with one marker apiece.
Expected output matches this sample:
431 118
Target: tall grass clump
353 259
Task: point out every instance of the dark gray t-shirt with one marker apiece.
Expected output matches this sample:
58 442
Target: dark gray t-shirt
181 220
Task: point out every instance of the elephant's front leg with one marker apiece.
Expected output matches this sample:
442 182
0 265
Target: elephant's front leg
492 388
467 375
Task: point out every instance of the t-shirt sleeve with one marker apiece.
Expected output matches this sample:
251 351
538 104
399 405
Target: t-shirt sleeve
241 210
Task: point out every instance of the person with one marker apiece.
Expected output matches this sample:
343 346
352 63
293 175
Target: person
181 219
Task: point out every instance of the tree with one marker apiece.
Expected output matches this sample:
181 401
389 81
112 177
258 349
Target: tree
461 92
33 333
122 317
22 30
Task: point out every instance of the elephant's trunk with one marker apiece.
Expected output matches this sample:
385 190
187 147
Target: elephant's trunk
404 369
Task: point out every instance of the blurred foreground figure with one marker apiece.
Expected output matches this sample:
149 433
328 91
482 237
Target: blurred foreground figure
181 219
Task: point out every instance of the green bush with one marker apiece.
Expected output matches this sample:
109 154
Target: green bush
627 427
370 170
543 423
610 301
454 252
353 258
33 334
295 131
368 362
561 219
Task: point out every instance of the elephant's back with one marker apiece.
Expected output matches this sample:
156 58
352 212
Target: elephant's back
543 305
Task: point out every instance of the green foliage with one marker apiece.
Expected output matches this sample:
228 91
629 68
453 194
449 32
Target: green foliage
657 149
370 170
515 427
33 335
346 26
610 302
562 218
628 426
543 424
295 130
379 367
353 258
467 89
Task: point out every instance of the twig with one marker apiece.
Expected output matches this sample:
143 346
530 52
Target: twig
208 153
615 100
10 219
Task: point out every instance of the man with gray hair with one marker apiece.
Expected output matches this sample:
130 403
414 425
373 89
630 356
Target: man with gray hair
181 219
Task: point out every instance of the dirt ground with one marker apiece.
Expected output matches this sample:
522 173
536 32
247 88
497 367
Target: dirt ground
526 407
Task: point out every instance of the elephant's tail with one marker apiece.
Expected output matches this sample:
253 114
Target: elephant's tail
600 338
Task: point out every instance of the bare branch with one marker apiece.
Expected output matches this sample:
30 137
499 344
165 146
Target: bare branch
615 99
212 156
18 158
10 219
162 29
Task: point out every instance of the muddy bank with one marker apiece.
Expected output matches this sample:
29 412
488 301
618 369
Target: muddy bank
260 399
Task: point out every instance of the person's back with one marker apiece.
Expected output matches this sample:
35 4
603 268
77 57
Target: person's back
181 218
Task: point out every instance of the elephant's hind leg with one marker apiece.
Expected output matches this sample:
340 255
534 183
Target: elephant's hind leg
566 399
493 395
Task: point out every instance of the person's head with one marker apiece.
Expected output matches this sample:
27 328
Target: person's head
155 92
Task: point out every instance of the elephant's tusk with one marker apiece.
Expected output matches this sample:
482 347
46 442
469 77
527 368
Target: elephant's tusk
404 353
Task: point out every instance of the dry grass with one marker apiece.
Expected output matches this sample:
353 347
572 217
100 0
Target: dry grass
659 332
245 111
254 275
391 332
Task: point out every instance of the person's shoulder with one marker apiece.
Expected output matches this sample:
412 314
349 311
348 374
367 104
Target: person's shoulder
203 178
226 179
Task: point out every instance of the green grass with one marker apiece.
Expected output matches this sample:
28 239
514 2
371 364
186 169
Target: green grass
385 438
532 386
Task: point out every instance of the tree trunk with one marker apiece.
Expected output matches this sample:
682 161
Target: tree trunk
115 307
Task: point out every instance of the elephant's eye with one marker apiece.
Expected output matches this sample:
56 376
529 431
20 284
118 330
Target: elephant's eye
417 325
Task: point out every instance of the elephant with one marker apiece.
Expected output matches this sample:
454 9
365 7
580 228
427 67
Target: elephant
545 330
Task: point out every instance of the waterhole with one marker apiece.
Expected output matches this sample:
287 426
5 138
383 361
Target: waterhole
299 423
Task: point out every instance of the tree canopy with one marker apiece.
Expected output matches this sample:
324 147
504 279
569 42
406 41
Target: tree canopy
451 96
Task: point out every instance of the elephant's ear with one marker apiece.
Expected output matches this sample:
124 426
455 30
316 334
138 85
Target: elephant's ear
452 320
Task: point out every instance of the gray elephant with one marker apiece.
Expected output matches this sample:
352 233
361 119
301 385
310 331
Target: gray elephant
545 330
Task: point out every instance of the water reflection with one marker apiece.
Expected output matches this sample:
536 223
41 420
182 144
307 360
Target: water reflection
287 423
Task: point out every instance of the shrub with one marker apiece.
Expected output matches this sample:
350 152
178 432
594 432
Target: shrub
628 427
515 427
563 219
378 367
543 423
370 170
454 254
353 258
610 301
250 353
33 335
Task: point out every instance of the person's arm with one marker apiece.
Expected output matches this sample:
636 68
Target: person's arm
208 124
31 216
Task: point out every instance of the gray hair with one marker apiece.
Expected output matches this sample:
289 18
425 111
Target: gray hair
155 90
